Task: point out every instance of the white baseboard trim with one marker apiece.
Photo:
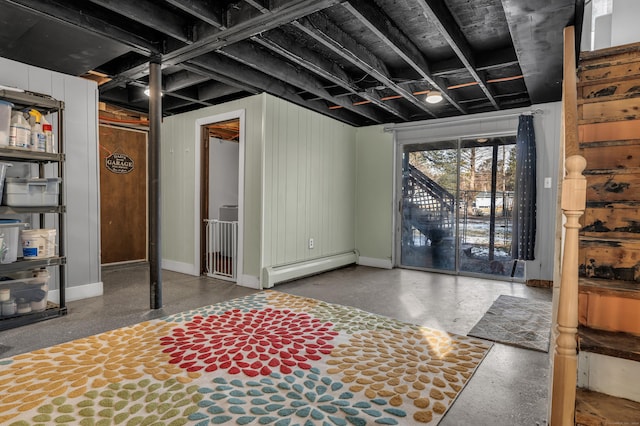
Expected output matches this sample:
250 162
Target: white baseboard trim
249 281
181 267
375 263
612 376
277 274
77 292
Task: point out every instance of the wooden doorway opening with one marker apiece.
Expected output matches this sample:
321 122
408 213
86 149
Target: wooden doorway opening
219 190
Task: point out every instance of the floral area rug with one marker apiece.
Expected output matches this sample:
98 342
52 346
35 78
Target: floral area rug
265 359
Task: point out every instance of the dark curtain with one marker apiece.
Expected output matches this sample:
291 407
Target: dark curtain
524 205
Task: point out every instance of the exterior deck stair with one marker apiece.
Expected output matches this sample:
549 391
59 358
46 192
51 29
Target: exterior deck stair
428 206
609 248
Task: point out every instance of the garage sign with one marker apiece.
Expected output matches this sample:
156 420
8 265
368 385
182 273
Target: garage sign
119 163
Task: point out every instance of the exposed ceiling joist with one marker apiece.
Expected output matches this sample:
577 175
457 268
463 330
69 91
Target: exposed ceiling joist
182 79
261 5
149 13
250 55
189 98
278 42
229 81
228 67
287 12
367 13
358 61
324 31
216 90
496 59
440 16
126 76
207 10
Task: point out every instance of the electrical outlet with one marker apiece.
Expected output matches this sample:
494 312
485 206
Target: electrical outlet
547 182
310 243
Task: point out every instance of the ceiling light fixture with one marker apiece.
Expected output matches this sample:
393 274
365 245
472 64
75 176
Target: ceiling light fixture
433 97
148 92
482 140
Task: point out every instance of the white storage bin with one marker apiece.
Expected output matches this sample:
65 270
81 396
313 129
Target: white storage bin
10 230
3 173
30 292
5 122
29 192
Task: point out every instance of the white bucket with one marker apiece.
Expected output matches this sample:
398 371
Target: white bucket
38 243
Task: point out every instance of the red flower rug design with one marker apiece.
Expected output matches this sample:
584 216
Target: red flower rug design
254 343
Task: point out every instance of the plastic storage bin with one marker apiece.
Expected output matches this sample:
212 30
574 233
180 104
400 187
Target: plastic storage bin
24 294
3 173
5 122
30 192
228 213
10 229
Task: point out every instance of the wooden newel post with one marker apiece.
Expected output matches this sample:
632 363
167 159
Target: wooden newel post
565 361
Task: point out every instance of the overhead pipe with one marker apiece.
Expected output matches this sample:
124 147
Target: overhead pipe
424 92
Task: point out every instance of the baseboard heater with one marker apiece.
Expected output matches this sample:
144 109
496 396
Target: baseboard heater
277 274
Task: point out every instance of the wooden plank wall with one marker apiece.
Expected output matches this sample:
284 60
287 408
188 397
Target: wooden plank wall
609 134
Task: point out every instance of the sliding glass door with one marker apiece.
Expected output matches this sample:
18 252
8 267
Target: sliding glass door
429 182
457 199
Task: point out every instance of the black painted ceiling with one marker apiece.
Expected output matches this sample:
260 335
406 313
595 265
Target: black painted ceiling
359 61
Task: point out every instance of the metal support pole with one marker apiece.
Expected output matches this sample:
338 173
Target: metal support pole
155 246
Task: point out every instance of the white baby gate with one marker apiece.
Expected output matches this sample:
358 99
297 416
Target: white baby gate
222 249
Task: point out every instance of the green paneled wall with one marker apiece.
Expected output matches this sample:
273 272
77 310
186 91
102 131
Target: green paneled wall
178 156
309 184
374 208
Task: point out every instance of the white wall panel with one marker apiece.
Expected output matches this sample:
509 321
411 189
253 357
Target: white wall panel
223 175
624 22
82 181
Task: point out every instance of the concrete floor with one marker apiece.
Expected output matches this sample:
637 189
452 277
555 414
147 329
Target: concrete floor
509 388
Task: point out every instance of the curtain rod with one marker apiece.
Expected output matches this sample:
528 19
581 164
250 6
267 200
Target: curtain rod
536 111
402 126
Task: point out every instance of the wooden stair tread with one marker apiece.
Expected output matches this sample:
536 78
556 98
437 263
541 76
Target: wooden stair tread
627 289
598 409
612 80
620 171
613 204
608 240
602 132
600 144
615 344
609 98
591 55
599 120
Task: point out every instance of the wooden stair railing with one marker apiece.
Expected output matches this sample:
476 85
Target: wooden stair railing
565 361
573 201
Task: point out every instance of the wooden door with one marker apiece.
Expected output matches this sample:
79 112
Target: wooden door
123 194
